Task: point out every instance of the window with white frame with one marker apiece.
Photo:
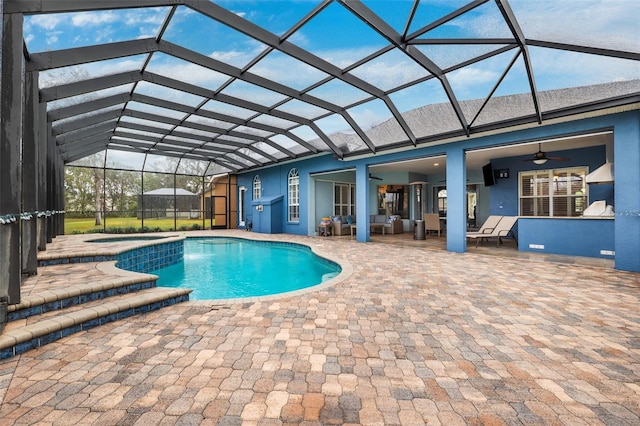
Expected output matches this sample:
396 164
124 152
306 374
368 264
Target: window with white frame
241 213
344 199
294 196
557 192
257 187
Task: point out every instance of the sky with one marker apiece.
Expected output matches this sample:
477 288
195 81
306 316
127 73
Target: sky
337 36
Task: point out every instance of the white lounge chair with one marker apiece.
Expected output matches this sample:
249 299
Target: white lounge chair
501 229
487 227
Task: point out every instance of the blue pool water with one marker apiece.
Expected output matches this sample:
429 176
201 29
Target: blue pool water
223 268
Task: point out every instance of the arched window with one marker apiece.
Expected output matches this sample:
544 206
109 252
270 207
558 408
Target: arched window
257 187
294 195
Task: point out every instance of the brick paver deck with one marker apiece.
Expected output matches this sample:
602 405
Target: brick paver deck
413 336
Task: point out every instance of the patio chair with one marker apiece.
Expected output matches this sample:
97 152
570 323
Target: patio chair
486 227
432 222
502 229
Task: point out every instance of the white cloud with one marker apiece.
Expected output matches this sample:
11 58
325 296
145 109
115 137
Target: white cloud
555 69
239 57
299 39
47 22
142 35
601 23
189 73
84 19
52 38
287 70
346 56
91 70
151 17
467 80
232 56
389 72
471 75
367 117
334 123
104 35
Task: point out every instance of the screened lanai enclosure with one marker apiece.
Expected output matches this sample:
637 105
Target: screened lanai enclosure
103 101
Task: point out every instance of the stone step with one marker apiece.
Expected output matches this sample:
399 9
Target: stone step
55 299
24 334
70 311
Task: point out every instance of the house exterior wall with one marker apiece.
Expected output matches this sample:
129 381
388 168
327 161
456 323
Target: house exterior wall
567 236
626 143
504 195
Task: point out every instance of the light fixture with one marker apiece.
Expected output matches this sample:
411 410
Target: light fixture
541 157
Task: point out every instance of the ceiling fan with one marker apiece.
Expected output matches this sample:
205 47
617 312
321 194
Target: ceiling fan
374 177
541 157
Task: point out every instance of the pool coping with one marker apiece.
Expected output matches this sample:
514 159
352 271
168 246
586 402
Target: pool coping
94 249
108 265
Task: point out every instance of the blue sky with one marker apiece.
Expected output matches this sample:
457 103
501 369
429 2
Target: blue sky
336 36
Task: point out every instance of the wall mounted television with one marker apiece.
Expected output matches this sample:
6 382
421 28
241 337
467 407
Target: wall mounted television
488 175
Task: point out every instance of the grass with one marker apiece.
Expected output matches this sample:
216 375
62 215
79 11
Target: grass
84 225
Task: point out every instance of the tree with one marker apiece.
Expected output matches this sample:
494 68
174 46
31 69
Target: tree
83 191
122 188
63 76
190 183
98 184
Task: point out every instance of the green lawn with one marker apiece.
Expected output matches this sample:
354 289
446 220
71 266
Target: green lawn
81 226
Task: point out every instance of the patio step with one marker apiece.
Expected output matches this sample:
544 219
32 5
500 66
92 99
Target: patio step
54 299
52 315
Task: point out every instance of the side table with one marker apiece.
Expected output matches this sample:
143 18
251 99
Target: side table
324 230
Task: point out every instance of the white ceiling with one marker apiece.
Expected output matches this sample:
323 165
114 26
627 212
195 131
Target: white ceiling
476 159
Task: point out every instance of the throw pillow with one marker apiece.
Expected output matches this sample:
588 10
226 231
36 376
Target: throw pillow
349 220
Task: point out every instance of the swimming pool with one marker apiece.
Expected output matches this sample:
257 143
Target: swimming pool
226 268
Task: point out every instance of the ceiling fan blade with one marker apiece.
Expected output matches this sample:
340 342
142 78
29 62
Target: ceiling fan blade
374 177
541 155
545 158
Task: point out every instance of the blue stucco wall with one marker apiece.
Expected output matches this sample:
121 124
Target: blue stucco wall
504 199
274 183
571 237
627 194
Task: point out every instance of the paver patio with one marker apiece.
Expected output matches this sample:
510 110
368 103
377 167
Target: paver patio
413 336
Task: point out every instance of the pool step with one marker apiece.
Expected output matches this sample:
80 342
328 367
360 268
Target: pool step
55 299
50 315
22 335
